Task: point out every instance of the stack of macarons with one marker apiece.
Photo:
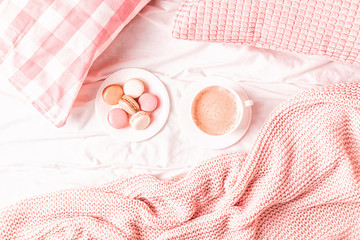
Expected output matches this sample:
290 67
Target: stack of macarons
133 105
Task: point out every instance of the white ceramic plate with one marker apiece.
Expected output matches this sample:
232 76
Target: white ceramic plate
194 134
153 85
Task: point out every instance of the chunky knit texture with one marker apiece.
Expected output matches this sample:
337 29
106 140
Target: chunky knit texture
300 181
329 28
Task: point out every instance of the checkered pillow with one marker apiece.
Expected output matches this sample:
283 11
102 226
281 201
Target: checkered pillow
329 28
48 46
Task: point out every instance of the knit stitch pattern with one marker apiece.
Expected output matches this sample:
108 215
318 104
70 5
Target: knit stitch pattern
329 28
301 180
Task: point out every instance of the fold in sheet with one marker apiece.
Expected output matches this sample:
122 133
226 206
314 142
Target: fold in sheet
301 180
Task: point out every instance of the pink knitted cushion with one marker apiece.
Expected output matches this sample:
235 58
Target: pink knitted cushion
48 46
329 28
301 180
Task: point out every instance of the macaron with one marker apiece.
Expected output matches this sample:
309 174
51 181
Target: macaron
129 104
140 120
134 88
112 94
148 102
118 118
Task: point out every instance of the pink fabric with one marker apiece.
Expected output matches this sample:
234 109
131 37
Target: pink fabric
329 28
48 46
301 180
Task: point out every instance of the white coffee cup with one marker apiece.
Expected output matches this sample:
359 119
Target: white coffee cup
217 110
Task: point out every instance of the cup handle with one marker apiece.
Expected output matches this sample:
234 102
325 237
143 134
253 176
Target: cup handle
248 103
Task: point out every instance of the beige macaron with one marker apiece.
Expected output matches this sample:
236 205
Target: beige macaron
129 104
140 120
134 88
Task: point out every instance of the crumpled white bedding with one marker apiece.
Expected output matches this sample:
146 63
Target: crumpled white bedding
36 157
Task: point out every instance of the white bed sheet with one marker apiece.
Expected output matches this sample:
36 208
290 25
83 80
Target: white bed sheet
36 157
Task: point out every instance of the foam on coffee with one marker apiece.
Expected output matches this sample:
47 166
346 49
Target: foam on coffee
215 110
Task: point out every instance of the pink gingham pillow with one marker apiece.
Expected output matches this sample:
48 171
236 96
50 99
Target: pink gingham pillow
48 46
330 28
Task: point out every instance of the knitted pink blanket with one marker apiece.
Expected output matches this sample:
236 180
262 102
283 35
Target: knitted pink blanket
300 181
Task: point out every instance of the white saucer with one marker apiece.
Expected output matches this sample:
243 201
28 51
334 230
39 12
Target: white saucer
194 134
153 85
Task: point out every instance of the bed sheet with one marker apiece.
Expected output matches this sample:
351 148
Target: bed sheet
36 157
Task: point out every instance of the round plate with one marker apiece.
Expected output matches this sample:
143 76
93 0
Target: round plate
195 135
153 85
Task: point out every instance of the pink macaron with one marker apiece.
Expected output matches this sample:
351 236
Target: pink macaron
118 118
148 102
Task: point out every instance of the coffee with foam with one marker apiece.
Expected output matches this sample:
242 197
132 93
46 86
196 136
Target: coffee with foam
216 110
